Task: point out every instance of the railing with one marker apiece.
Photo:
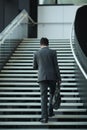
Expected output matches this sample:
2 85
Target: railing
12 35
81 68
78 54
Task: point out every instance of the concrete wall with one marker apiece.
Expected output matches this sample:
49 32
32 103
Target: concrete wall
56 21
9 9
1 15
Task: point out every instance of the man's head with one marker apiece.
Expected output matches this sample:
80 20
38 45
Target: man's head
44 41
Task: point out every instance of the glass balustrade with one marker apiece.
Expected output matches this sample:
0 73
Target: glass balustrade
12 35
77 45
81 64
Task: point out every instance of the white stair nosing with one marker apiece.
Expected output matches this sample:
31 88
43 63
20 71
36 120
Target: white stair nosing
35 71
35 93
50 43
21 83
38 116
35 88
37 48
37 98
31 61
50 40
39 110
38 104
38 43
35 75
31 79
30 64
20 54
31 67
30 51
45 124
19 67
23 57
15 64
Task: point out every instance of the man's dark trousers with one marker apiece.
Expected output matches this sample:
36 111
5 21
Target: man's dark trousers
45 108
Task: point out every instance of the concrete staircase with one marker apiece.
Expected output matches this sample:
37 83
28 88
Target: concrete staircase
20 106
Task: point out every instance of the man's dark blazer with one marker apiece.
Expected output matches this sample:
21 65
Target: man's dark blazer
45 60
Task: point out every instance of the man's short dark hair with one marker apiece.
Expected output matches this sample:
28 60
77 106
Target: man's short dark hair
44 41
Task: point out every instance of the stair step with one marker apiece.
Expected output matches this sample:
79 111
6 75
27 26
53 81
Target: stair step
51 123
37 104
20 101
34 40
32 79
30 55
30 64
34 71
33 84
31 67
38 116
35 93
52 46
32 51
30 75
39 110
25 57
35 88
31 61
38 43
50 40
36 48
37 98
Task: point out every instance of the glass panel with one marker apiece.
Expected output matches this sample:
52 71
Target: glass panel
76 2
12 35
76 41
65 1
47 1
79 2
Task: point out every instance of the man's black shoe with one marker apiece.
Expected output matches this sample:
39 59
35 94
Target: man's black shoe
43 120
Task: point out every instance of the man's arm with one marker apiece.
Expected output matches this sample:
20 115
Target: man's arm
35 64
57 68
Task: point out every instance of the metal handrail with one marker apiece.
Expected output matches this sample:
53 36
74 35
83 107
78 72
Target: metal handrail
32 21
76 59
12 25
36 23
9 39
